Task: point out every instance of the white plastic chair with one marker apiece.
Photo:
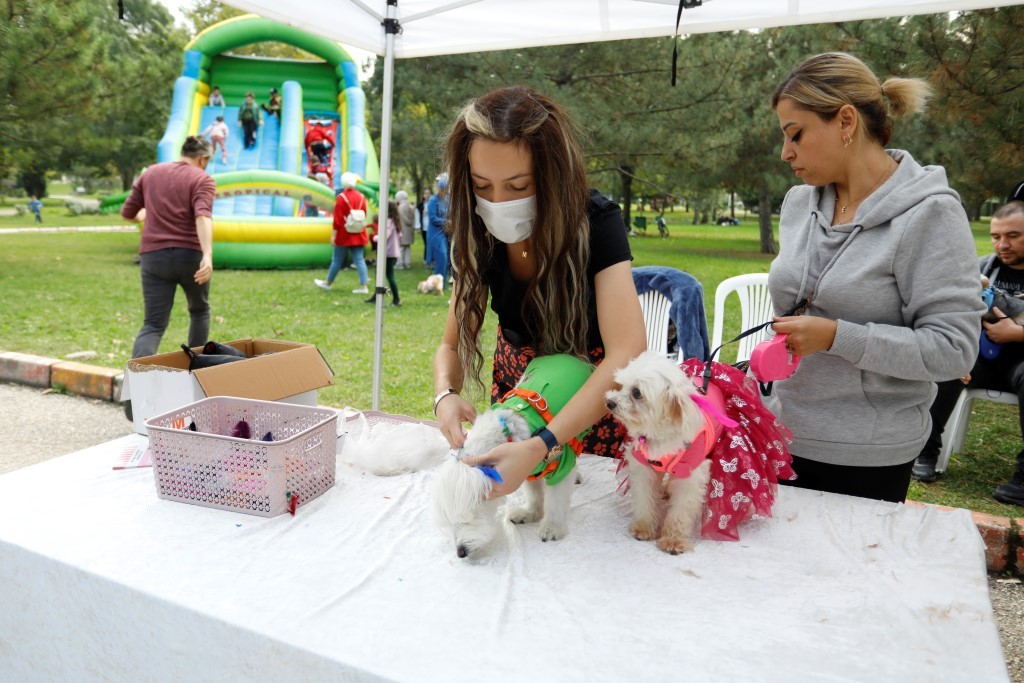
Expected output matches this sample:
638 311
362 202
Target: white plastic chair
956 426
755 308
656 307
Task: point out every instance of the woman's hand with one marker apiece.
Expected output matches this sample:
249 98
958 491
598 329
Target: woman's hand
514 462
452 412
1004 330
807 334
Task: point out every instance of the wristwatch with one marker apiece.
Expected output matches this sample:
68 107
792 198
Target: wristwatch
551 441
440 397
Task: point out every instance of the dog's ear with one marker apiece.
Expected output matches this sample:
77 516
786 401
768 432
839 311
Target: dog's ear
684 411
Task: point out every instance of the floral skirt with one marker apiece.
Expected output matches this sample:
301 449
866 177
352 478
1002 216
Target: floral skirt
510 362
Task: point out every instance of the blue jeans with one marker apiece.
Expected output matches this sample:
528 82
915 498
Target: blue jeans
428 249
439 250
162 272
341 258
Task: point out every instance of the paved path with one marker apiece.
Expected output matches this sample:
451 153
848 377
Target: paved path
38 426
71 228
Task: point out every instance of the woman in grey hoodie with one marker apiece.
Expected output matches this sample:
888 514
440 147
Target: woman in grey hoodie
881 250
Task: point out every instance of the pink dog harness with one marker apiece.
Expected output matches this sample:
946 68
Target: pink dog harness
681 463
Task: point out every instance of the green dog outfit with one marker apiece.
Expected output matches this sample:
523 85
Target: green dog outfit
546 386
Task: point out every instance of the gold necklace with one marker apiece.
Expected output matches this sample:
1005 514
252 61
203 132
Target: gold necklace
524 253
881 179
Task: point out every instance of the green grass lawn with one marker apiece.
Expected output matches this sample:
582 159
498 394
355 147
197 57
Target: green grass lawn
70 292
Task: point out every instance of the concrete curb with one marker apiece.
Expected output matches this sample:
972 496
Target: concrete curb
1003 536
67 376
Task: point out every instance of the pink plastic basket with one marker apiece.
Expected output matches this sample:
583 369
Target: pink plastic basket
206 467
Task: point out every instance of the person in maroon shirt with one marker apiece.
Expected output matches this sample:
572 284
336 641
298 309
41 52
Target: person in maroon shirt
173 202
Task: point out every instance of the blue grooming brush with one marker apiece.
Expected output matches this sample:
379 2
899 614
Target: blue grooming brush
491 473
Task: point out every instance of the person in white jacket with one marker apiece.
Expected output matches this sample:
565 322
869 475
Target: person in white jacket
876 251
217 132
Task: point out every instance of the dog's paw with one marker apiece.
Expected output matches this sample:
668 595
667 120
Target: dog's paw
674 545
550 531
644 530
523 515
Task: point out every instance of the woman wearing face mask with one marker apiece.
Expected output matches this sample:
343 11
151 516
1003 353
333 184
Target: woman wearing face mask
555 260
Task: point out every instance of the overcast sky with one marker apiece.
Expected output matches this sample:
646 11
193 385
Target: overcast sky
175 6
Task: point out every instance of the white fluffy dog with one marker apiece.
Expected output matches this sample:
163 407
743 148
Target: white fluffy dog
461 508
656 405
434 284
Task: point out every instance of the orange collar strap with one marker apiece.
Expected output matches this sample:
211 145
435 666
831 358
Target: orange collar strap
536 401
540 404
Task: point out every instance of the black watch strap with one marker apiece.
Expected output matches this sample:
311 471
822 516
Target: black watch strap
549 439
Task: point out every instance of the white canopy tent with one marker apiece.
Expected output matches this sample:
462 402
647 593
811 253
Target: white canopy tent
421 28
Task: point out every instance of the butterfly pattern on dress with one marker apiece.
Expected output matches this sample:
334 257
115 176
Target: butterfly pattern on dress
747 461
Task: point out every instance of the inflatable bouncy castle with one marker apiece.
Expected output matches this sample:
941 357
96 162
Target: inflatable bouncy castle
265 192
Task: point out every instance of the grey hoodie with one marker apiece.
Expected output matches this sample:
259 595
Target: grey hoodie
906 295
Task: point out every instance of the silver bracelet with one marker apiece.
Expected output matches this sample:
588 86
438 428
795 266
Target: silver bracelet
440 397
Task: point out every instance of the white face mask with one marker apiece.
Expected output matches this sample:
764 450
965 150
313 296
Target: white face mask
511 221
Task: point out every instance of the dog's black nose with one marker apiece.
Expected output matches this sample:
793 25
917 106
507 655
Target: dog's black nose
461 551
610 404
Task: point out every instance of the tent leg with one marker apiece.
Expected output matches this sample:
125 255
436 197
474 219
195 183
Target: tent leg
385 170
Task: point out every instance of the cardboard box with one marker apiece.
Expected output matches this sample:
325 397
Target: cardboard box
289 371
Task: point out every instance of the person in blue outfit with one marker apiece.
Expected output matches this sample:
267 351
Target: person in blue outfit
421 224
36 207
437 216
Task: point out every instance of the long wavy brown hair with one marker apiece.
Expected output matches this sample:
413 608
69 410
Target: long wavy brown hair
554 308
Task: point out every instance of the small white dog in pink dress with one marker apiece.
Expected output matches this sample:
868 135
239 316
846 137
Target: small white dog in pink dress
712 447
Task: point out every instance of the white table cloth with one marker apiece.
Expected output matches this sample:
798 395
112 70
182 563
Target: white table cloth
102 581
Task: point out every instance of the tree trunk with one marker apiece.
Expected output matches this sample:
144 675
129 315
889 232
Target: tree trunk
33 180
764 216
126 178
626 174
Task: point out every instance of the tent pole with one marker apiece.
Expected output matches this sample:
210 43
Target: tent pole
391 27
